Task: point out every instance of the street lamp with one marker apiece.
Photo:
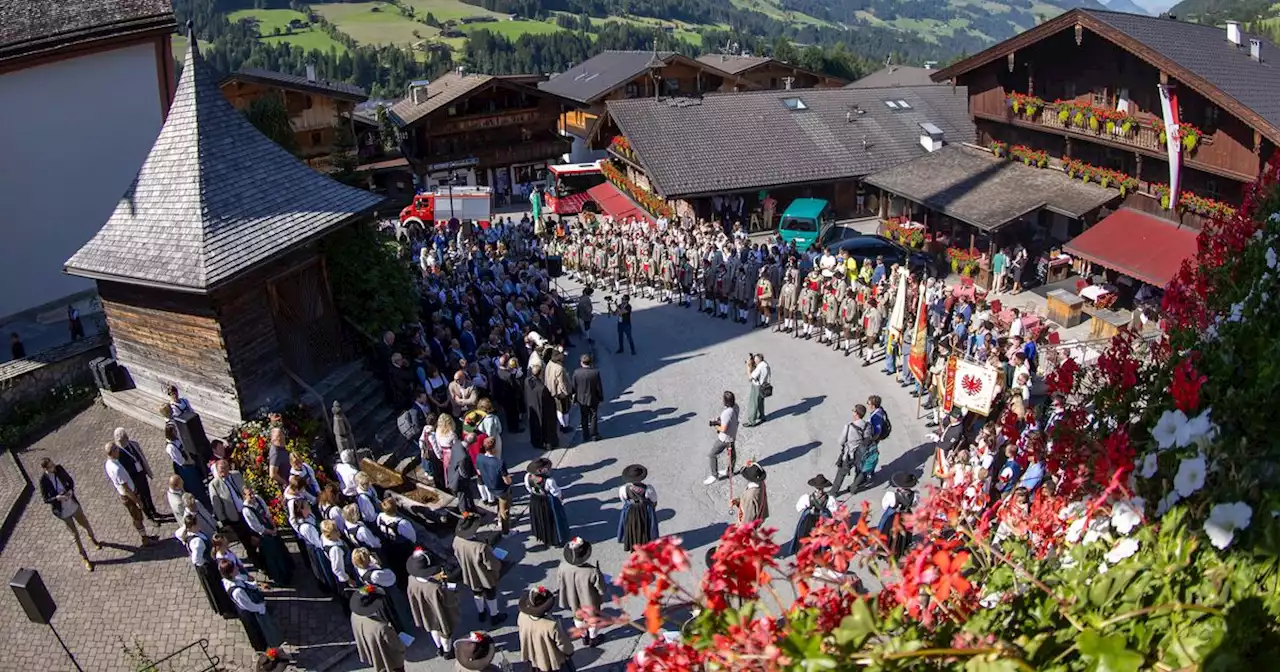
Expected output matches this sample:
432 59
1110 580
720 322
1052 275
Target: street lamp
453 175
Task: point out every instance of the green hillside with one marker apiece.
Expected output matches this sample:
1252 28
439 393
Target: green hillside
1219 11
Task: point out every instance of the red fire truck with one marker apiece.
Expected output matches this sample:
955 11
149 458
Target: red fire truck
432 207
567 193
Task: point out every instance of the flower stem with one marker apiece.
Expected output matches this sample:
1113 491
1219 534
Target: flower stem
1062 602
1159 608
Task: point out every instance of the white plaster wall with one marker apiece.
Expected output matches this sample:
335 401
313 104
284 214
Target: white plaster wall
73 134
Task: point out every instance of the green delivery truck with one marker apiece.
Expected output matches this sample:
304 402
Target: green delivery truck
803 221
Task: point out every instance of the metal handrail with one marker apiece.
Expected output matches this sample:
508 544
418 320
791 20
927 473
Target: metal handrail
214 661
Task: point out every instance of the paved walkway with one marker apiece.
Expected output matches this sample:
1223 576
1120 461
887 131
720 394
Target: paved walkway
146 596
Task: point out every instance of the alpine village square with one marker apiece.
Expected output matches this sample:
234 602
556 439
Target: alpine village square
408 335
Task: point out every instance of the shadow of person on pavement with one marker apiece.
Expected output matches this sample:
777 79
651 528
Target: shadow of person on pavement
788 454
799 408
912 461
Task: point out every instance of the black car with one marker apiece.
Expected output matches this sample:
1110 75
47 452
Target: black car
869 246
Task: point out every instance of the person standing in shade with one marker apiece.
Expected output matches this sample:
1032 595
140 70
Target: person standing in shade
192 507
495 482
251 605
581 586
761 378
397 535
338 553
432 601
57 488
547 517
898 502
726 435
226 493
311 543
383 581
185 464
377 642
199 549
278 457
584 310
135 462
480 567
638 522
543 642
623 312
128 493
542 407
588 392
812 507
273 555
174 496
754 504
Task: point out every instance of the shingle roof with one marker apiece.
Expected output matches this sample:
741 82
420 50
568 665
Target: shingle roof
600 74
299 83
731 142
977 188
1205 51
895 75
440 92
213 199
36 25
733 64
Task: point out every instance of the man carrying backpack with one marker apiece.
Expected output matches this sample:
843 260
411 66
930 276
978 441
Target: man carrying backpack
853 447
879 429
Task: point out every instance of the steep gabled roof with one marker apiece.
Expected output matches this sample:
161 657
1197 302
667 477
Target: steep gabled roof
1197 55
895 75
733 64
213 199
36 26
440 92
323 87
730 142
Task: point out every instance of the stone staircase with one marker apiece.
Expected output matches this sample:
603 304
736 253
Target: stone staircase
373 421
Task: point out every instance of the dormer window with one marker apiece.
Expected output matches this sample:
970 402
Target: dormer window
794 104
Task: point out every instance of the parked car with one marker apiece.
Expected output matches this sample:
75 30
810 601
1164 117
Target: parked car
869 246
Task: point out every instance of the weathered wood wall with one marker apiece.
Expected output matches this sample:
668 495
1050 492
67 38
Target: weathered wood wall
165 338
253 351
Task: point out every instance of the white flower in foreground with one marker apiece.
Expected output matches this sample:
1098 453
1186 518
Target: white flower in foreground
1125 548
1190 476
1163 506
1224 520
1150 463
1127 514
1271 257
1097 527
1075 531
1198 430
1237 312
990 601
1166 430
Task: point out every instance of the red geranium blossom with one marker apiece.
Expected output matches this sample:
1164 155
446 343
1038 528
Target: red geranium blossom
1186 385
949 579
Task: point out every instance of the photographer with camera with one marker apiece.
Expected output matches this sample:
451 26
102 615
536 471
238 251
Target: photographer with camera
623 312
759 374
726 427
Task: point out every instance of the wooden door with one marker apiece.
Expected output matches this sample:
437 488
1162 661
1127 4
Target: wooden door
306 322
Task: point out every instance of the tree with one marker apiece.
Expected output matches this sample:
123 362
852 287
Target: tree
388 134
784 51
269 115
343 160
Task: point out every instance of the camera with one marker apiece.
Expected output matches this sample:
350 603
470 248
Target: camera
713 423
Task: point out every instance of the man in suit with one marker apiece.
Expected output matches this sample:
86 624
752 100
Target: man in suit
225 496
58 491
588 392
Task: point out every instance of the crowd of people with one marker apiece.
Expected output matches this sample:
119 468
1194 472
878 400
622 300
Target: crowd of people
489 356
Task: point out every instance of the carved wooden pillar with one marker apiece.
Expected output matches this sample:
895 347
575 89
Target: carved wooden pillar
1031 80
1011 58
1138 167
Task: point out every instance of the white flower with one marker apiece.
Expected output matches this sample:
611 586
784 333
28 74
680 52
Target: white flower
1103 567
1271 257
1224 520
1190 476
1075 531
1124 549
1150 463
1198 430
1166 430
1237 313
1275 217
1163 506
990 601
1211 333
1127 514
1097 527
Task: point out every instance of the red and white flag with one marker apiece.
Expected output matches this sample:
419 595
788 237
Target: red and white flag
1173 139
975 387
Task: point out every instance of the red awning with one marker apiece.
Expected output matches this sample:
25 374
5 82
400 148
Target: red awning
1136 244
617 204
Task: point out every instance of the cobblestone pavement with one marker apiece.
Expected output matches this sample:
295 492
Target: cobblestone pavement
135 596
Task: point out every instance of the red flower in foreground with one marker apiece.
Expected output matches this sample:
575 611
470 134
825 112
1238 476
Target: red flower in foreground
740 565
1186 385
949 579
661 656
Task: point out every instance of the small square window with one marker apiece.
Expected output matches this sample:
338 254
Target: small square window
904 105
891 105
794 104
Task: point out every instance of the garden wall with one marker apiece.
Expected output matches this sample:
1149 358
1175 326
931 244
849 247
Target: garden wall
28 381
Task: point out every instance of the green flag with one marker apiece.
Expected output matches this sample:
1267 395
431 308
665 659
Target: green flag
535 197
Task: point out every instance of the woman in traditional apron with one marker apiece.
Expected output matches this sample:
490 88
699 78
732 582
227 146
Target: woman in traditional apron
812 507
252 608
546 511
276 561
638 523
199 548
371 573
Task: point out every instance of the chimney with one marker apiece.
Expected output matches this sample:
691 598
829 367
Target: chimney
931 137
311 72
418 91
1255 49
1233 32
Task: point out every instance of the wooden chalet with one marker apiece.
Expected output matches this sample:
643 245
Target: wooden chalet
767 72
318 108
481 129
209 269
1085 87
622 75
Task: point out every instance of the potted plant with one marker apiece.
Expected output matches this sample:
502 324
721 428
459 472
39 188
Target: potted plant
1190 137
1127 125
1094 124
